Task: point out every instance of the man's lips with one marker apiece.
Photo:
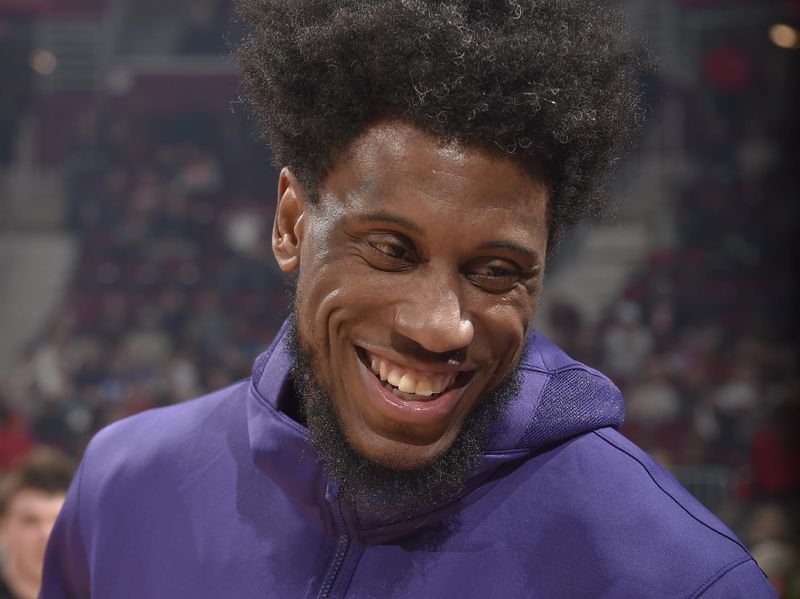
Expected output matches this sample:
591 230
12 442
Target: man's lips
410 381
417 383
436 392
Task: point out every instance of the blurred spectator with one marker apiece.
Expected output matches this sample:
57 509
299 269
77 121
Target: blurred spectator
772 537
31 495
780 562
626 343
653 401
774 465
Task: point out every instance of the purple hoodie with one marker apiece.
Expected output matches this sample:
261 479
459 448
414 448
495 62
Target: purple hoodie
222 497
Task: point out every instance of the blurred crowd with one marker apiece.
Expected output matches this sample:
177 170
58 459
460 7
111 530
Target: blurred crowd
175 292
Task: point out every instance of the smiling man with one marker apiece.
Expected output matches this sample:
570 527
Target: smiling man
408 434
417 293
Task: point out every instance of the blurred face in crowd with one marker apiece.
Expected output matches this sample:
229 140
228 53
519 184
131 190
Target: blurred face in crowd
419 271
24 530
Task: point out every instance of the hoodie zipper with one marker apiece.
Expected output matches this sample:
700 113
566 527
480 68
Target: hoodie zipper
342 544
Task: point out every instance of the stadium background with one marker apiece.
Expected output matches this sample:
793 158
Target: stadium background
136 271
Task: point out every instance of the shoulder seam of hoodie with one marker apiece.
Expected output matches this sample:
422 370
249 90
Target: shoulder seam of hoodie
668 494
718 575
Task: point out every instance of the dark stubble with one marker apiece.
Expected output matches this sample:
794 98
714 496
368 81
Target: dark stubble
381 490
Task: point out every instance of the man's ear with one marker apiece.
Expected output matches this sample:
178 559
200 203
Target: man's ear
290 221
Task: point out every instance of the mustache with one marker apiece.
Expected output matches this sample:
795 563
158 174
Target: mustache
409 347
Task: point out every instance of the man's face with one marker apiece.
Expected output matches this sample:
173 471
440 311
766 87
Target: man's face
419 271
25 528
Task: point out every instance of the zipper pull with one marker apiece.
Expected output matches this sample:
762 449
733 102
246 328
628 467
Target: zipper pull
331 491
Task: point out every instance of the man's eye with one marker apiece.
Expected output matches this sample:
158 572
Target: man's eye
390 249
495 278
499 271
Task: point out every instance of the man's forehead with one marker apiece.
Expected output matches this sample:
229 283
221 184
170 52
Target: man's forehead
393 151
397 138
393 136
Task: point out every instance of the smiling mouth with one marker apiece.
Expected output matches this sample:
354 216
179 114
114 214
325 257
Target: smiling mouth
410 384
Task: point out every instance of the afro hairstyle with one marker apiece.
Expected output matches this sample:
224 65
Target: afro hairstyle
553 83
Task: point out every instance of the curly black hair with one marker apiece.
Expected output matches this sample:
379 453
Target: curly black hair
555 83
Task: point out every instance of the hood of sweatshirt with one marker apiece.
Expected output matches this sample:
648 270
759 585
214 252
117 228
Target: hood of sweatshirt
559 398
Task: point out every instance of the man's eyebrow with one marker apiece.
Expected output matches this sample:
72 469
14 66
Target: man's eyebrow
381 215
529 253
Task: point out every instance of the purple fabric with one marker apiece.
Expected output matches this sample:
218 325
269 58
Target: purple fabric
223 497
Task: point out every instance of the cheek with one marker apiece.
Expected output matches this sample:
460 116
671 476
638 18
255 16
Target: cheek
337 294
505 319
504 326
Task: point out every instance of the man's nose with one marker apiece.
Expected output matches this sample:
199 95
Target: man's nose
433 317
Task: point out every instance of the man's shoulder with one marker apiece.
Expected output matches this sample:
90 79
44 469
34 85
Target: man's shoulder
167 437
637 476
612 478
164 424
612 501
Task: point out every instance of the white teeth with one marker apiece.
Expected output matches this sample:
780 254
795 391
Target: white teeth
393 378
407 381
407 384
424 387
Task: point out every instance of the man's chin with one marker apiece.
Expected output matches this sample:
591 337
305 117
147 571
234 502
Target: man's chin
396 452
386 476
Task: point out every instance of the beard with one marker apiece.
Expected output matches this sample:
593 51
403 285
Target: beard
379 489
